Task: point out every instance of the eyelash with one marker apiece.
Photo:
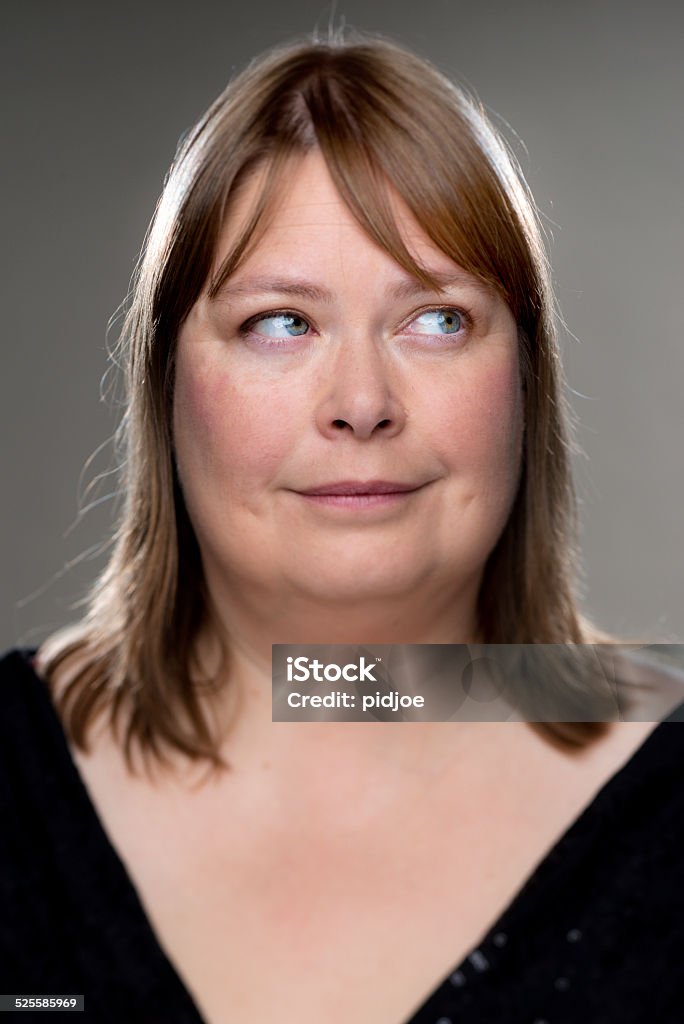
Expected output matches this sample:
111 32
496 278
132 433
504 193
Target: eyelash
244 330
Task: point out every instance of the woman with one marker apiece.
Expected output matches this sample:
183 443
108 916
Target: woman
344 425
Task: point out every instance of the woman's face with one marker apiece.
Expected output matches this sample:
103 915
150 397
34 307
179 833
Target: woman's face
322 366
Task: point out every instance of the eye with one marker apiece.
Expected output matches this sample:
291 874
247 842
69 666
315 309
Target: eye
277 325
439 321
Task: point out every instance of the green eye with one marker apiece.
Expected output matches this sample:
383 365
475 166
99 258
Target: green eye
439 321
280 325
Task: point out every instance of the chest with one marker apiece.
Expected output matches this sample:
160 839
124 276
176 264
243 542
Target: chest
303 914
303 928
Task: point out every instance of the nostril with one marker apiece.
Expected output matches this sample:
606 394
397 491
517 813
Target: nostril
341 424
359 428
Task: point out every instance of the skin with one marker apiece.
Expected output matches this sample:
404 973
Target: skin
375 388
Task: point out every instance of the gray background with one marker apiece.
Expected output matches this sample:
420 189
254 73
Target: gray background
95 97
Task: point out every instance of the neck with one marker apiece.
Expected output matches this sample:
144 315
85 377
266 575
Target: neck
247 625
250 620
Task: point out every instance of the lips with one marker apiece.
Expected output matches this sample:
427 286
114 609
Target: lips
351 487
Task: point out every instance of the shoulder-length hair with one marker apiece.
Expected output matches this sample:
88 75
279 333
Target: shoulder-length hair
378 114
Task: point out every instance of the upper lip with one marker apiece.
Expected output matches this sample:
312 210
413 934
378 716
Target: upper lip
361 487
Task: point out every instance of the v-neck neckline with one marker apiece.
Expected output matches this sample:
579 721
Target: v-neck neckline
548 862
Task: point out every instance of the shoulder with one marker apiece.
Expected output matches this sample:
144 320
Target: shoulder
652 679
19 682
16 661
32 738
29 738
27 718
26 696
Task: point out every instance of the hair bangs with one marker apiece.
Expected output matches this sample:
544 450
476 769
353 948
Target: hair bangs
277 168
379 145
371 138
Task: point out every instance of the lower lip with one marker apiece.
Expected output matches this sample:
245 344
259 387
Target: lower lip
360 501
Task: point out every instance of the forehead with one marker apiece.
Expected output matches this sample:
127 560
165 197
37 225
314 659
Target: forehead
305 211
303 195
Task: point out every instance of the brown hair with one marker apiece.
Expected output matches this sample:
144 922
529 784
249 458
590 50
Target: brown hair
377 114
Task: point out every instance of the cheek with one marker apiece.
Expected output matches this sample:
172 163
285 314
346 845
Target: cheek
480 423
227 436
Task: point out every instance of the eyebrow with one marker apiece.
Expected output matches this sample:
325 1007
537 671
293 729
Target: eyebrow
407 289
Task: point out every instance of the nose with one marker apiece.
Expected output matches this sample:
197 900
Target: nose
360 393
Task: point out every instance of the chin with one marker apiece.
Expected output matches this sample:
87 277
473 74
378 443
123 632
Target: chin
361 581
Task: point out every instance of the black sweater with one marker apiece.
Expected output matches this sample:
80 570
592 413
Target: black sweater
595 935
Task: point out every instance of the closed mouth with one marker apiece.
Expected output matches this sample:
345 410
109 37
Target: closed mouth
359 487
